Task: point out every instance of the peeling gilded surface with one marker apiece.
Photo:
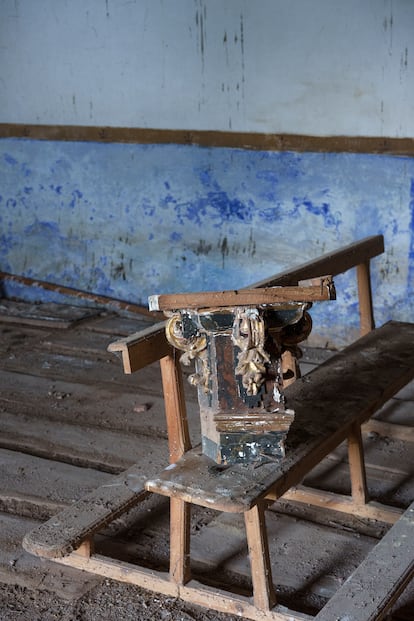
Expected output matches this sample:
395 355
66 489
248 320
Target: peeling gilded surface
239 374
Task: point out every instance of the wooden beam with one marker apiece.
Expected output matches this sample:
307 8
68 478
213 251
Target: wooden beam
335 262
375 585
153 342
244 297
78 293
193 592
338 502
211 138
389 430
142 348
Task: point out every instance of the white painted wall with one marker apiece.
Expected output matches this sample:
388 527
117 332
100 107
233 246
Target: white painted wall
317 67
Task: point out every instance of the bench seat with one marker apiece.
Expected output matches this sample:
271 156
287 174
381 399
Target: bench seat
374 586
66 531
347 388
339 394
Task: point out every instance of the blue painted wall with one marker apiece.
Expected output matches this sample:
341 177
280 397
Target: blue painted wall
133 220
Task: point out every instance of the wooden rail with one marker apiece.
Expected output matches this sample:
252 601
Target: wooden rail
136 348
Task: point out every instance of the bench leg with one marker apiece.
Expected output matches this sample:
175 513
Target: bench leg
366 314
180 514
357 466
264 595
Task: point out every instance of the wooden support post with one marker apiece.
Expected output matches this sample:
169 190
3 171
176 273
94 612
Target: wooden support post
264 595
179 443
180 514
86 548
366 313
357 465
175 410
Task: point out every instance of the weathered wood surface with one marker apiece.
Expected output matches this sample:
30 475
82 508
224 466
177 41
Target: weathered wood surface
335 262
52 315
41 486
18 567
244 297
371 590
64 532
142 348
345 390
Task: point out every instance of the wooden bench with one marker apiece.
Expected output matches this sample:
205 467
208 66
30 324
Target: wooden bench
375 585
331 404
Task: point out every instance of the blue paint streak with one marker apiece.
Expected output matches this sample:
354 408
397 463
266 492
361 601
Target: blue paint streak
216 206
10 159
174 237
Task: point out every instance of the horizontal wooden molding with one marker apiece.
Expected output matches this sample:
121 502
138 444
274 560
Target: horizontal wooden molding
204 138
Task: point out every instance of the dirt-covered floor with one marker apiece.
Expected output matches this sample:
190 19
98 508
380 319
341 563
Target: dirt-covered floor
71 419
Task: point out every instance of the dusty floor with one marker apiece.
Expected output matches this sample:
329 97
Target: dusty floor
70 419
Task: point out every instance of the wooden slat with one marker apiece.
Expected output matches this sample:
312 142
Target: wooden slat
335 262
194 592
371 590
244 297
344 504
66 531
76 293
389 430
153 342
345 390
48 315
142 348
85 446
212 138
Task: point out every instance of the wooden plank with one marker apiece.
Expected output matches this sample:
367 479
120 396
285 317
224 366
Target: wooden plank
102 449
17 567
334 262
371 590
307 559
120 325
138 346
66 531
137 409
194 592
45 315
40 487
244 297
142 348
389 430
76 293
212 138
345 390
344 504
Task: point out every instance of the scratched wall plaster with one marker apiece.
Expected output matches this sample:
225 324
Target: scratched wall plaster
133 220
